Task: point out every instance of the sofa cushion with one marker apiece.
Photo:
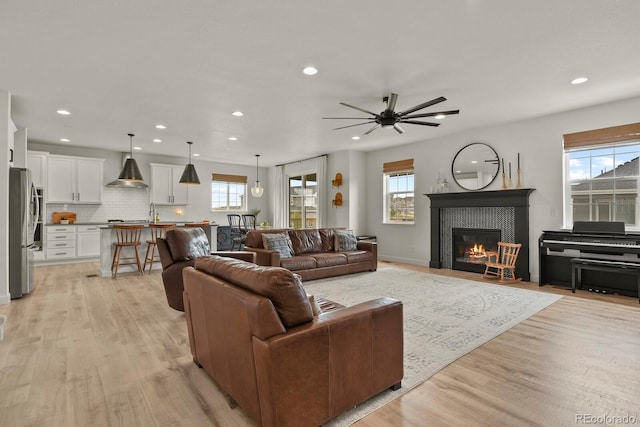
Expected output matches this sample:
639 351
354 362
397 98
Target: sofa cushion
300 262
305 241
278 242
345 241
281 286
187 243
358 256
328 237
329 259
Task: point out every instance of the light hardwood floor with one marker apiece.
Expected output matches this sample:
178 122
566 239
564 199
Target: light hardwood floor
91 351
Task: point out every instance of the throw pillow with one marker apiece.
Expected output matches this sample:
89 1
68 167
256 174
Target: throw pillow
277 242
315 307
345 241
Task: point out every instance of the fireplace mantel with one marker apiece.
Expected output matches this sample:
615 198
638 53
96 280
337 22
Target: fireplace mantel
516 199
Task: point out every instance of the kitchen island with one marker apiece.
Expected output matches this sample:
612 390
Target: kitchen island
108 237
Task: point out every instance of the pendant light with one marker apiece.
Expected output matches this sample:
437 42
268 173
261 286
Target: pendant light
130 171
189 176
257 190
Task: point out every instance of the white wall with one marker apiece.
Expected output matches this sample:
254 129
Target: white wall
539 142
5 116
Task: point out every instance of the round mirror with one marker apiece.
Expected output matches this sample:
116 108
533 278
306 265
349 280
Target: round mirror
475 166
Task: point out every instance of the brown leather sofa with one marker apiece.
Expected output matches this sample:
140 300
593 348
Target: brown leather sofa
314 254
252 329
179 249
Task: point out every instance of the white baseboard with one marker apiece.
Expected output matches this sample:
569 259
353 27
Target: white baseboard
405 260
5 299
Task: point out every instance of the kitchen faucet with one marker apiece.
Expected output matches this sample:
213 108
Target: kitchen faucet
152 212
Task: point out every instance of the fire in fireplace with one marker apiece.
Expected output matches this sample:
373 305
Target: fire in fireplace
470 247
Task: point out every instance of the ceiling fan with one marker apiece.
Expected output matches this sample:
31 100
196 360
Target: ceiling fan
389 118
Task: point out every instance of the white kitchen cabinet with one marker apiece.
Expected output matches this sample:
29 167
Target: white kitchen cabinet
165 185
75 180
61 241
87 241
37 163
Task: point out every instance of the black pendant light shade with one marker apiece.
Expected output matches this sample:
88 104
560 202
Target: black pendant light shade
189 176
130 171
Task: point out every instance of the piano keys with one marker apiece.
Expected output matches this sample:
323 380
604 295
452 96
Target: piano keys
602 240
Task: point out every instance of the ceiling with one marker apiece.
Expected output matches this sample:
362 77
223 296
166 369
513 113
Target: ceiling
124 66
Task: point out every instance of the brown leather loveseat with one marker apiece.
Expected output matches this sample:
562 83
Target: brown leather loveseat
253 331
314 253
179 249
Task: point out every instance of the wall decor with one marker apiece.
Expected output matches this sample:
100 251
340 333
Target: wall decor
475 166
337 201
337 182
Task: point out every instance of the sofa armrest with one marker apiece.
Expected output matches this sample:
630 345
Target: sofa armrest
373 248
242 255
266 257
325 367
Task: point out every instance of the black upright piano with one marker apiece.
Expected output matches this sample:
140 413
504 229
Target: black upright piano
595 240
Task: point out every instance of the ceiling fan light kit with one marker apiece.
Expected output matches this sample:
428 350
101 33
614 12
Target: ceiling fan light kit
389 118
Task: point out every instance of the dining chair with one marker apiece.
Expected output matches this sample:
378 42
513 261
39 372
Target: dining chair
127 236
238 236
156 230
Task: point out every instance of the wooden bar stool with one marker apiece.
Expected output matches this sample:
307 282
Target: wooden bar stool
157 230
126 236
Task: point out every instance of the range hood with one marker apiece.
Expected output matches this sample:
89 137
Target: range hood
118 183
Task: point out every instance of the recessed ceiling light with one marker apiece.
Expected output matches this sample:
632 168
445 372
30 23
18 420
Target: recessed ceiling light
63 112
355 137
458 171
65 140
157 140
579 80
440 116
233 138
137 148
474 161
196 155
161 127
310 71
237 113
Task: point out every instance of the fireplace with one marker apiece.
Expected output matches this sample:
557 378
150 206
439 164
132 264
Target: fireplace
504 210
470 247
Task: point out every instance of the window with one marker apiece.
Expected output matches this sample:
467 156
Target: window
228 192
398 192
303 201
601 176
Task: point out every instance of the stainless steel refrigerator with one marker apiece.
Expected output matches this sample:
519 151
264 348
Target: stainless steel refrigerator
23 215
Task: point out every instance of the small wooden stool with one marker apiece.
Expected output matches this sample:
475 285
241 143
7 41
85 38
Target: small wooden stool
126 236
157 230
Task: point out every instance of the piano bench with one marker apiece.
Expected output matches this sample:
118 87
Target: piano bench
579 264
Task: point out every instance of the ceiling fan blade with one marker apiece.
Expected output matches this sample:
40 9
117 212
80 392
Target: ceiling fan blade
372 129
415 122
358 108
357 124
391 101
348 118
398 128
444 113
423 105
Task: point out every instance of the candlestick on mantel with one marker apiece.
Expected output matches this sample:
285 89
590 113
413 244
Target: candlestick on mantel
509 170
503 165
518 161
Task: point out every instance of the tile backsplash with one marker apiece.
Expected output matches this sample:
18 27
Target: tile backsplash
120 203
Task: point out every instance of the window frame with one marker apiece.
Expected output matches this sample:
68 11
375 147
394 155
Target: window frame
386 219
228 208
595 199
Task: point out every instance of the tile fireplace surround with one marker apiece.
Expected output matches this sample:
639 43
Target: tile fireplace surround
505 210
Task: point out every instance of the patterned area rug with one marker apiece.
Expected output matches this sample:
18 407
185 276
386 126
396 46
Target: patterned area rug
444 319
